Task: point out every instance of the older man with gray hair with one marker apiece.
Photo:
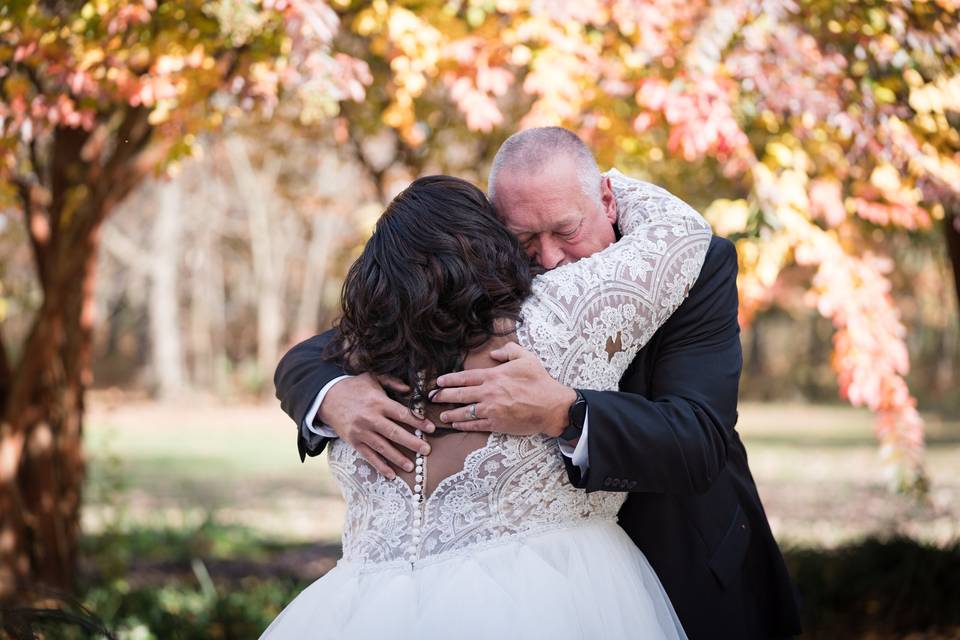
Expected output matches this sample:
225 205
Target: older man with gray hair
667 437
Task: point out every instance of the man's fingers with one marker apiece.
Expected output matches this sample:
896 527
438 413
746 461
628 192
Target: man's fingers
468 378
474 425
395 433
461 414
396 384
462 395
399 413
376 461
379 444
509 351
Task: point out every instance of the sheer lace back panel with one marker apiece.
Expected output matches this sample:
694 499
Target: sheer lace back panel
586 321
450 450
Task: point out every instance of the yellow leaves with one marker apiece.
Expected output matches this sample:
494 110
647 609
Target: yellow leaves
905 199
16 85
939 96
520 55
90 58
886 178
161 112
775 251
367 23
781 153
912 77
728 217
786 152
770 121
884 94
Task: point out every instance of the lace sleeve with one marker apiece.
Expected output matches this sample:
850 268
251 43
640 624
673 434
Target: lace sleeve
587 320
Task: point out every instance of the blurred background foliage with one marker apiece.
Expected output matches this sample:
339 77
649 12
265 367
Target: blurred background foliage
183 185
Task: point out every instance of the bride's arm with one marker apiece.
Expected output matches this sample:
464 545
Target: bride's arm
587 320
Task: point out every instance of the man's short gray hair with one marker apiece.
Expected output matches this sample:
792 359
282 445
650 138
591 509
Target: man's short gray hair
533 149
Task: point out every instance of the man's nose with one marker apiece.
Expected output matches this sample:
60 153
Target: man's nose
551 254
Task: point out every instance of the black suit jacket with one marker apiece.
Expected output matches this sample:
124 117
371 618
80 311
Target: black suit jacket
668 438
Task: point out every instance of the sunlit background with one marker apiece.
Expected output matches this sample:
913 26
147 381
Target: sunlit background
184 184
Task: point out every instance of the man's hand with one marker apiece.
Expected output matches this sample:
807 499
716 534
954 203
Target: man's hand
517 397
361 413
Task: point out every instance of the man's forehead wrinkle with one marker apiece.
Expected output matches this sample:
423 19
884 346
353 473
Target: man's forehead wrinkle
536 214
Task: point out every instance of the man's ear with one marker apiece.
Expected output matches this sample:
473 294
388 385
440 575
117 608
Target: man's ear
607 200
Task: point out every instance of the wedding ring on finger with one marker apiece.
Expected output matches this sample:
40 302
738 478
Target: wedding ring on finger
472 411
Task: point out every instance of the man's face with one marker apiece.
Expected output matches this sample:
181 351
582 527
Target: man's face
555 221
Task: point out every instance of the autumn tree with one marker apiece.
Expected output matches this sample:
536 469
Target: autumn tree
95 97
815 129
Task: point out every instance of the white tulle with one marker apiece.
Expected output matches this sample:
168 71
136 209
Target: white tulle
507 547
586 581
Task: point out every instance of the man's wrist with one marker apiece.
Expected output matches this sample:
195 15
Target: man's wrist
561 416
319 418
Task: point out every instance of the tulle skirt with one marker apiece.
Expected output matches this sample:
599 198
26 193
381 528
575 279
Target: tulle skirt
583 581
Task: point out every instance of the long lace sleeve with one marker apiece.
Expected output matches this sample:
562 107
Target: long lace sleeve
587 320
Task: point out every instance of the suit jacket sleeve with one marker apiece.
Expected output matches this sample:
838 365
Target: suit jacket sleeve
674 438
299 377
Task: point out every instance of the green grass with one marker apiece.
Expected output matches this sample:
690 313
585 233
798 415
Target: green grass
201 522
817 469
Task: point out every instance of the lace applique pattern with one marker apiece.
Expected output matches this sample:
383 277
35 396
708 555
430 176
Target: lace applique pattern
586 322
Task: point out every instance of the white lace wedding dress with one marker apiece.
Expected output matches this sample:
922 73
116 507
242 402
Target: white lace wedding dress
507 548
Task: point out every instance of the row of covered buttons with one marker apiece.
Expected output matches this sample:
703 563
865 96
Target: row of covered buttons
418 482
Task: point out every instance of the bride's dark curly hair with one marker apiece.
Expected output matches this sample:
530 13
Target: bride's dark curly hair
439 269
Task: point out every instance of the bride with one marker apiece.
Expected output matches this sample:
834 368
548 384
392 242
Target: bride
485 537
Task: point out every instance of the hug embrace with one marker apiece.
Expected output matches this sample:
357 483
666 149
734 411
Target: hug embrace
529 404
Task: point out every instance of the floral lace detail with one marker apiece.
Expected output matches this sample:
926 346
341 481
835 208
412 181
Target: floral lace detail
586 321
510 487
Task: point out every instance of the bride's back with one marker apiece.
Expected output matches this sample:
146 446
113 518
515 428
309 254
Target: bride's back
449 448
435 290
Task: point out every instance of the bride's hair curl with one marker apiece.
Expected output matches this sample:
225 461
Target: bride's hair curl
437 273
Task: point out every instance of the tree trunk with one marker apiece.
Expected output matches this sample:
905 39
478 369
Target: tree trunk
323 230
41 455
951 228
65 199
166 345
268 258
208 316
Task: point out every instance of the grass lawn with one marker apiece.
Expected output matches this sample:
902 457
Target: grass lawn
817 469
201 522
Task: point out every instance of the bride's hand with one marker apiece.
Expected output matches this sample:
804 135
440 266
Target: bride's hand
517 397
361 413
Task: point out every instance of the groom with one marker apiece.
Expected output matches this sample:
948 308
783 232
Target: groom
667 437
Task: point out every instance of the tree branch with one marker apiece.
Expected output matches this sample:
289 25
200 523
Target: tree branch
37 224
951 229
6 373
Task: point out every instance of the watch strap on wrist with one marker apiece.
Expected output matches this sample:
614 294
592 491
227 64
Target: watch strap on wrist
576 416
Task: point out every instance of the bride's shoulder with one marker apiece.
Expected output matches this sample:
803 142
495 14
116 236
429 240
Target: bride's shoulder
623 182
